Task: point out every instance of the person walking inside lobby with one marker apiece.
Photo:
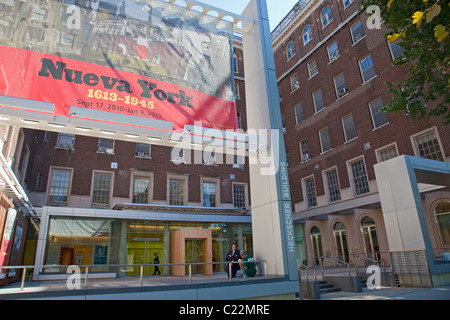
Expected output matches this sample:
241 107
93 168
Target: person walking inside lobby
233 255
248 268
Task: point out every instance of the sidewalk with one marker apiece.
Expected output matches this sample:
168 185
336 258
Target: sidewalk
389 293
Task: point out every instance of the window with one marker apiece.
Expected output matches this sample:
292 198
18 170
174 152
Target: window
340 86
333 51
177 155
176 192
387 153
357 31
348 125
290 50
396 49
142 150
312 68
65 141
39 180
326 16
307 35
294 83
379 118
427 146
310 192
442 214
318 100
359 177
332 181
239 199
235 64
209 194
105 145
298 110
325 142
304 151
367 68
237 92
141 186
59 186
347 3
101 191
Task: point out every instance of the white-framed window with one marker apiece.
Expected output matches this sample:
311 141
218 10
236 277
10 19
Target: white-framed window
304 150
396 49
310 191
357 31
340 86
348 125
176 192
427 145
318 100
235 64
312 68
324 137
331 180
359 178
141 188
294 83
333 51
59 185
102 183
240 195
298 110
326 16
347 3
65 141
143 150
290 49
307 35
387 152
379 118
105 145
209 191
367 68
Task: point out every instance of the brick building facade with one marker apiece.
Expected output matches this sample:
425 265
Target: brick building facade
331 71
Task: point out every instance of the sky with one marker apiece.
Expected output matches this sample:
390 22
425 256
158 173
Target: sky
277 9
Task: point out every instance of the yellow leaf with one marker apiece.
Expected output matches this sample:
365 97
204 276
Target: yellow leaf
395 37
390 3
440 32
418 17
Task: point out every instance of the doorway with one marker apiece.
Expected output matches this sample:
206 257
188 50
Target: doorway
194 253
370 238
340 235
316 241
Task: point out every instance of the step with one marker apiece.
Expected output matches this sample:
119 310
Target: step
326 287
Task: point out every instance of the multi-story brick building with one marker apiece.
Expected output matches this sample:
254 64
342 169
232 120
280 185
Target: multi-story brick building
331 71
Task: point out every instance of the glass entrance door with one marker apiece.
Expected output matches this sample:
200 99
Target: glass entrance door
340 236
316 242
194 253
370 239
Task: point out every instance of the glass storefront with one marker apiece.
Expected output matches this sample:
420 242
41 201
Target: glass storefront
101 242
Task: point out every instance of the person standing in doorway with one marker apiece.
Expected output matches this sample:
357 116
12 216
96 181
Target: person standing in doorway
233 256
156 262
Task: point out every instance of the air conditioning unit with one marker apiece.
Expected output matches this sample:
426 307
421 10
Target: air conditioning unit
64 145
109 151
306 157
342 91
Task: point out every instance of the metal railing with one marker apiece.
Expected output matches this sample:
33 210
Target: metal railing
88 268
336 262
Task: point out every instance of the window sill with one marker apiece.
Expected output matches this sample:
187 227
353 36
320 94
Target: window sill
64 148
143 157
333 60
317 112
350 141
104 152
369 80
354 43
313 76
383 125
324 152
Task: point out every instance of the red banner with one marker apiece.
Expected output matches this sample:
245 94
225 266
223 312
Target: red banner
71 83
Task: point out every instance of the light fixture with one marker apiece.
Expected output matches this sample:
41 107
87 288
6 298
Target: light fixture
154 139
29 121
130 135
5 118
57 125
83 129
107 132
